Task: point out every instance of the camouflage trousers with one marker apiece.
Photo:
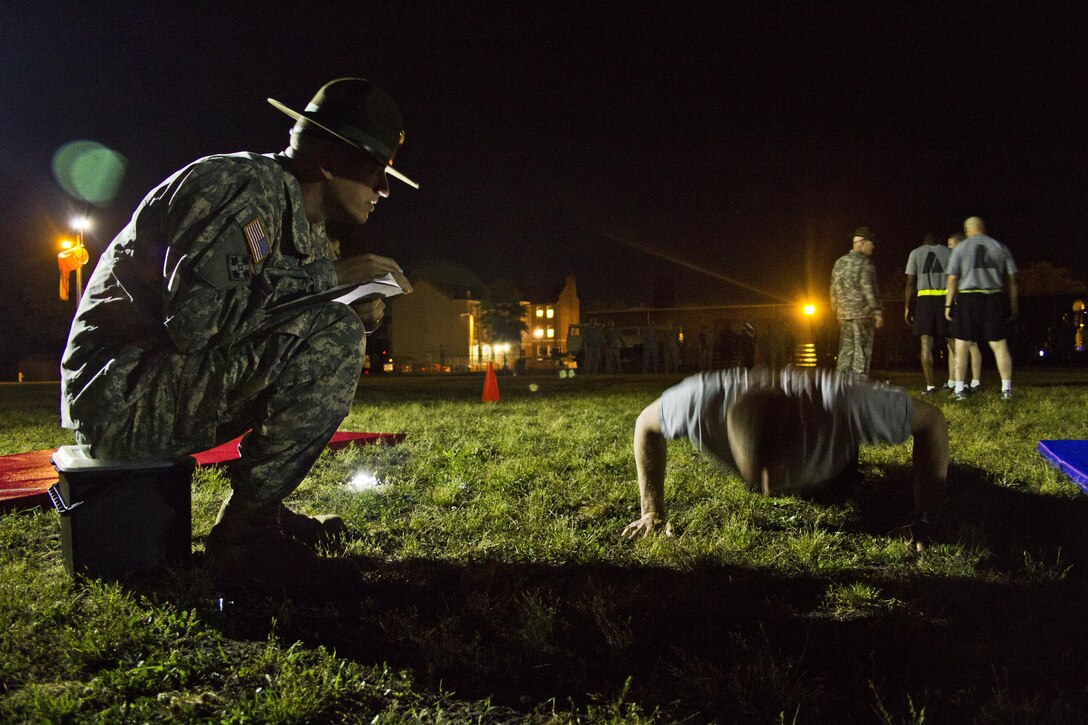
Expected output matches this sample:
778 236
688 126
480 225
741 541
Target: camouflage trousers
855 346
289 384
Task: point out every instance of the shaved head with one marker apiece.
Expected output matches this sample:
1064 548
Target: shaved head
765 434
974 225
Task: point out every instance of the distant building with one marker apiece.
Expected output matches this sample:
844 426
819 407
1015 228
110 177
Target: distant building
549 315
436 327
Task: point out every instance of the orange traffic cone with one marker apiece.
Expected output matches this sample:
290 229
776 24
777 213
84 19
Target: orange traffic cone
491 385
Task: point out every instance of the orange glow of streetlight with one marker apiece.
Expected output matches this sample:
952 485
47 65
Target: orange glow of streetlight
810 310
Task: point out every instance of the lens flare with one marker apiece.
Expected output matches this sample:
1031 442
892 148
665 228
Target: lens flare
89 171
364 481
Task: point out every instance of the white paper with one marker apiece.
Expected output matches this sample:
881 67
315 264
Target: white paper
384 286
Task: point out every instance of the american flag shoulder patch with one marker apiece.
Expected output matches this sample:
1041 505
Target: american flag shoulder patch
257 240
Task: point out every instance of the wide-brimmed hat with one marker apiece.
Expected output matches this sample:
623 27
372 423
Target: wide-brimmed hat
864 232
358 113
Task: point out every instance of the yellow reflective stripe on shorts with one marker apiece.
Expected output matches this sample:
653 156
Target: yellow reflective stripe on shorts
930 292
978 291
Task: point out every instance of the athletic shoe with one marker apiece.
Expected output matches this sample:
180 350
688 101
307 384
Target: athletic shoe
1006 395
925 529
962 395
931 391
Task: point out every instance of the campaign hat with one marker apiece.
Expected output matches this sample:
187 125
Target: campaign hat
358 113
865 233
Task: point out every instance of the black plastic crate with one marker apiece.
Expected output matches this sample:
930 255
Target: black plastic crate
122 519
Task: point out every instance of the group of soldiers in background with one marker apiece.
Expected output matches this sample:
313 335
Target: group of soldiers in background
600 341
663 347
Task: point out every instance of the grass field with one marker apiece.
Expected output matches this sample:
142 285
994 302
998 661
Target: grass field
498 590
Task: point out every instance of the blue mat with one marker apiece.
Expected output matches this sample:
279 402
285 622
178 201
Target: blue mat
1071 457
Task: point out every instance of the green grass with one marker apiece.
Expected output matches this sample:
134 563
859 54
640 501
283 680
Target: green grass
497 588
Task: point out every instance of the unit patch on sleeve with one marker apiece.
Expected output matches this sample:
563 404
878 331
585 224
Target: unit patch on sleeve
238 268
257 240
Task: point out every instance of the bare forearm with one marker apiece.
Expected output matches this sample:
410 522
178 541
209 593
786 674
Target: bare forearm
650 461
950 295
930 456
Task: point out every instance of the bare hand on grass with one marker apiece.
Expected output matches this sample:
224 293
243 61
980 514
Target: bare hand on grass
644 526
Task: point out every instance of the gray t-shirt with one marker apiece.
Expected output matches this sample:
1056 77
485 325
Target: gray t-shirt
980 263
838 413
928 263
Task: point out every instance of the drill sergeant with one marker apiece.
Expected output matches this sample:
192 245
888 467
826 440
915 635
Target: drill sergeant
178 344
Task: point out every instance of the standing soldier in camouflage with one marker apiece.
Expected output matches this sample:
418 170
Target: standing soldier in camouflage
672 348
649 349
926 279
706 348
855 300
613 341
592 343
180 344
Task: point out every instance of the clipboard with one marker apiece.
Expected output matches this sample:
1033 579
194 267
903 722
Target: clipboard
384 286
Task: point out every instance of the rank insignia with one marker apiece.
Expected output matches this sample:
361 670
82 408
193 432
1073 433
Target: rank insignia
257 240
238 268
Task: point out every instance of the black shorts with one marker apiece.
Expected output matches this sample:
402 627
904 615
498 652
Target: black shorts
929 317
979 317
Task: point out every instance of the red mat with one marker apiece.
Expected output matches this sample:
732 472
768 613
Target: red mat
26 477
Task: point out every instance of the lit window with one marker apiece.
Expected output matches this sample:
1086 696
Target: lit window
538 332
551 312
540 312
551 331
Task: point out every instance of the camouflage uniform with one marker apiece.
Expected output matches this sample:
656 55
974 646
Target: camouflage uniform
649 349
612 345
592 340
672 349
856 302
177 345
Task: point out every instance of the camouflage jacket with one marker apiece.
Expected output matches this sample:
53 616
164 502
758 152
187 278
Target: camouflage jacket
206 255
853 287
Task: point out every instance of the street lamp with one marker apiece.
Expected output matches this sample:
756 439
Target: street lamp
80 223
72 257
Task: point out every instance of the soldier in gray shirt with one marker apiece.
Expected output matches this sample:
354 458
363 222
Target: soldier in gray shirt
786 432
979 269
926 279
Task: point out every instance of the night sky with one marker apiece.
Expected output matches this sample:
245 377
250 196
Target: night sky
553 138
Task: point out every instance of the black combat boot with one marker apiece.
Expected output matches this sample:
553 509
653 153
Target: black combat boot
247 550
